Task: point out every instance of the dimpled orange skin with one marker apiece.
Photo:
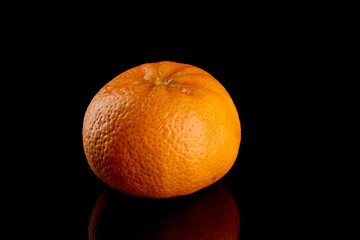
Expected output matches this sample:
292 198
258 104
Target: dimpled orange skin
161 130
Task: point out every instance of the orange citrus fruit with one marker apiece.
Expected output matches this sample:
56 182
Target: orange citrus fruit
161 130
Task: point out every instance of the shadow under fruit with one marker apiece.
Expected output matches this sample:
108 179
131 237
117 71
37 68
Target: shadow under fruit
210 213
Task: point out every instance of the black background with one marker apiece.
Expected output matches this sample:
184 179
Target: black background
260 58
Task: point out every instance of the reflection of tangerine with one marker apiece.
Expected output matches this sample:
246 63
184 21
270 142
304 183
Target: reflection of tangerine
161 130
208 214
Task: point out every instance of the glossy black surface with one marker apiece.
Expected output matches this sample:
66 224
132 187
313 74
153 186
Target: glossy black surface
67 191
68 69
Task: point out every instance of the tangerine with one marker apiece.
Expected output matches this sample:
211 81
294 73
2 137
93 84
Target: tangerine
161 130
